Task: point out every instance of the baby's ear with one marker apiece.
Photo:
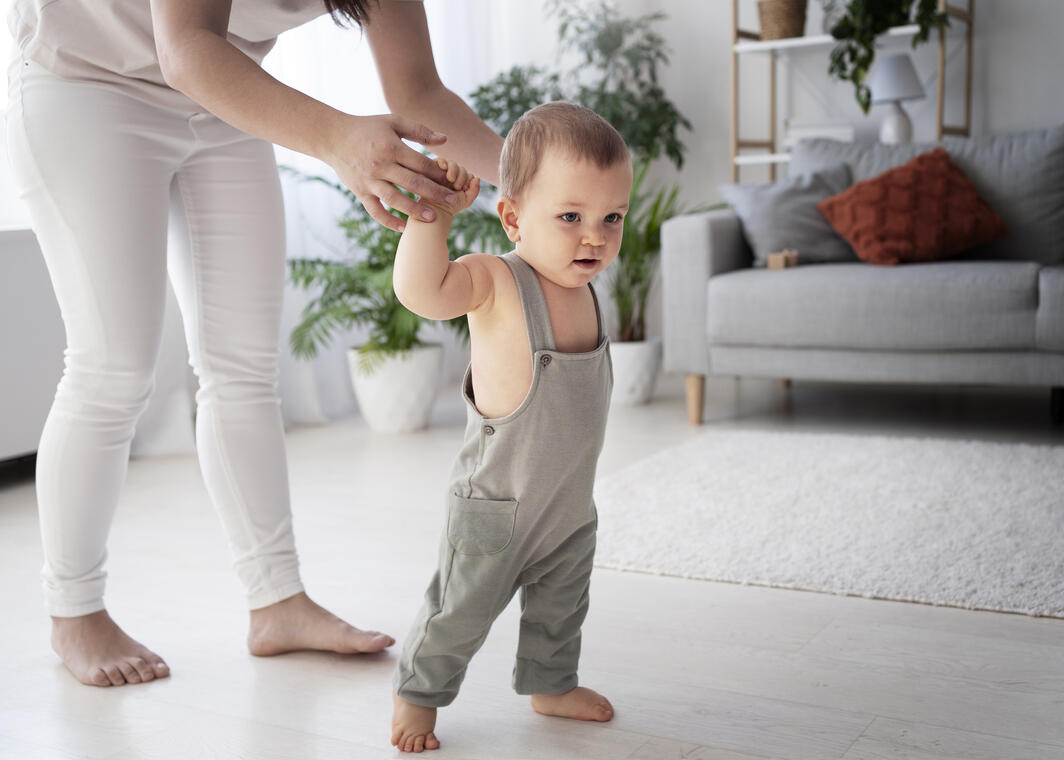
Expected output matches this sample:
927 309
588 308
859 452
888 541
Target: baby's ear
507 209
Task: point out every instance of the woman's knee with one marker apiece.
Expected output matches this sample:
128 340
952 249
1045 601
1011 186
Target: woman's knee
119 393
239 377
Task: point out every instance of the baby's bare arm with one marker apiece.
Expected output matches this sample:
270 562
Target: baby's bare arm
426 281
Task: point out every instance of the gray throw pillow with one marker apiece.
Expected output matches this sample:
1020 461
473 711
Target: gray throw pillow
783 214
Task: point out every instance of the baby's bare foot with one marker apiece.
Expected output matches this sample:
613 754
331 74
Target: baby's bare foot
298 623
580 703
99 653
412 726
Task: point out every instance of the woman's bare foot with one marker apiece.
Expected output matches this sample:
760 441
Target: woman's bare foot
412 726
298 623
580 703
99 653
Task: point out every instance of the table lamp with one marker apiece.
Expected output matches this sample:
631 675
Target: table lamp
894 80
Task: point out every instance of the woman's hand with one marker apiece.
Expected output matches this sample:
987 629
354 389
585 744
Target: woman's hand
371 160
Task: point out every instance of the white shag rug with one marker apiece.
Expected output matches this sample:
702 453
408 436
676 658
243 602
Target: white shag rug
947 522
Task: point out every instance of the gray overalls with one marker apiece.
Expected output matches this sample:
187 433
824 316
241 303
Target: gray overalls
520 514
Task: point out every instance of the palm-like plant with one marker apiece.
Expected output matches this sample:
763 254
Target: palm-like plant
633 272
358 290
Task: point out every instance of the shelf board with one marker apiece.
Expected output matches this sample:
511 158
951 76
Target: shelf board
763 158
812 42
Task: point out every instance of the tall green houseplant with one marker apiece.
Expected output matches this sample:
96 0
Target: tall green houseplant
616 75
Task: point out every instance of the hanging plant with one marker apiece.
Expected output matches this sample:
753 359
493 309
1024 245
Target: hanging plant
861 22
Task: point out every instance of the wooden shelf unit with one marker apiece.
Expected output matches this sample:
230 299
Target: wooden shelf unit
745 41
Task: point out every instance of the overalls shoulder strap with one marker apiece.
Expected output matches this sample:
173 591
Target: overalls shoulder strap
534 303
598 316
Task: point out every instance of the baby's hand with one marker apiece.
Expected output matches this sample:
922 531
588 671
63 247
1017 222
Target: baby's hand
461 180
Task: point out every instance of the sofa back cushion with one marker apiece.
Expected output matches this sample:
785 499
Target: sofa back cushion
1020 175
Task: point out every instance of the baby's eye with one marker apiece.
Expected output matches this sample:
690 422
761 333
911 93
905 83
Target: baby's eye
613 218
572 216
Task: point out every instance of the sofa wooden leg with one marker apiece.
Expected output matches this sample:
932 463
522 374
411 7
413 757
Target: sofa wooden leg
785 383
1056 405
696 392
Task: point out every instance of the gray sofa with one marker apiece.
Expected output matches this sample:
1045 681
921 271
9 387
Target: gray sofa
992 316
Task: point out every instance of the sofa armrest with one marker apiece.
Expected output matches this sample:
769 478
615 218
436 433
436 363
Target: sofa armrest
694 248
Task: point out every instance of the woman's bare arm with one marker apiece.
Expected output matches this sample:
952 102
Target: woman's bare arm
398 35
366 151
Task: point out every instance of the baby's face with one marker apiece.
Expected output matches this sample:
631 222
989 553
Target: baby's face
570 218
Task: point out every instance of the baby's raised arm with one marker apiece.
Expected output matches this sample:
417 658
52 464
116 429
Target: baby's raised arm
426 281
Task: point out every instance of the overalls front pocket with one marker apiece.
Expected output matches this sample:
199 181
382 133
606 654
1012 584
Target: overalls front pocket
480 526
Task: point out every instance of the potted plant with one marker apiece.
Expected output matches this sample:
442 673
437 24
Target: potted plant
395 375
860 22
617 77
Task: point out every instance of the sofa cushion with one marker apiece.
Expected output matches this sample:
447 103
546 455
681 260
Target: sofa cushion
779 215
957 305
1050 330
1021 176
923 210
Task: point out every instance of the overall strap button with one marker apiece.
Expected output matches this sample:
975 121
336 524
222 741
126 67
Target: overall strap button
544 360
489 430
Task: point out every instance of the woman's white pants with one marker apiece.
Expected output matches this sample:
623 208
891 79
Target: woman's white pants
103 174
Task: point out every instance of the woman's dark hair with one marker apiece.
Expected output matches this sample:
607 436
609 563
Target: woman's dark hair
351 11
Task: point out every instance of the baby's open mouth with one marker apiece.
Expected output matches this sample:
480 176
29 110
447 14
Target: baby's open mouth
586 262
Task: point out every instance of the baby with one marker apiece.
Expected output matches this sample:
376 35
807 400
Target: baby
520 514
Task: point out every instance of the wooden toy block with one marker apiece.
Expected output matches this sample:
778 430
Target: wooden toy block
784 259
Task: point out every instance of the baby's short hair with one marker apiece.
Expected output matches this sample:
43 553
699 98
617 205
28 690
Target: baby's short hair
578 131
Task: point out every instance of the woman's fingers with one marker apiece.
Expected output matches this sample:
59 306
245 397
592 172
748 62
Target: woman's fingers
402 202
421 185
420 174
419 133
374 208
435 170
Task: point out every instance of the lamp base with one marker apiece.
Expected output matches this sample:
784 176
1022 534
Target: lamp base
896 126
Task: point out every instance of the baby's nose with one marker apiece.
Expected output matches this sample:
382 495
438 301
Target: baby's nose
594 238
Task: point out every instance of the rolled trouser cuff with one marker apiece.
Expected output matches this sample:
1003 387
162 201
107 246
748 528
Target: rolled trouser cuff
274 595
72 610
531 677
405 685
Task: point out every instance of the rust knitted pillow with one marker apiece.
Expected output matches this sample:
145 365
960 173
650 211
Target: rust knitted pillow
924 210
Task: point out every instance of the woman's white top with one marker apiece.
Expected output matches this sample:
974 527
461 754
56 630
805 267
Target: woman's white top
111 41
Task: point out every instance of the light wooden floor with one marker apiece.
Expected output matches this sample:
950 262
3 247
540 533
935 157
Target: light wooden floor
695 669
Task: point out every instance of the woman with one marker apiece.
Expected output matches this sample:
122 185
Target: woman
124 114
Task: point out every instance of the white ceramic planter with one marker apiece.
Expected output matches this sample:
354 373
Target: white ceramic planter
635 370
397 394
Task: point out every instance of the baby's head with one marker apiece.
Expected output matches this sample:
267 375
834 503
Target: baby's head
565 179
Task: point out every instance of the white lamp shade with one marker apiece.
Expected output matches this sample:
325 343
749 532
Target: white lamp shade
894 78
